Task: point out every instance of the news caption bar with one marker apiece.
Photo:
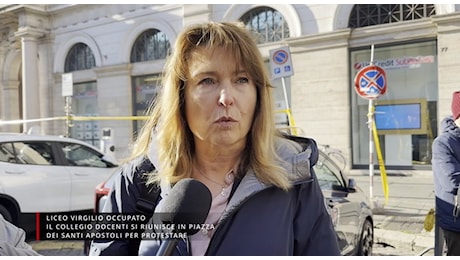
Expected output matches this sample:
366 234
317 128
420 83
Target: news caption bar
82 226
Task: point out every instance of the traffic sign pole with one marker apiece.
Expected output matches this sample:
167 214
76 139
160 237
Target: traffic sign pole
370 121
288 108
281 67
370 83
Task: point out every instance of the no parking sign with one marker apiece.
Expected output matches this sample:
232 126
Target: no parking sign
281 63
370 82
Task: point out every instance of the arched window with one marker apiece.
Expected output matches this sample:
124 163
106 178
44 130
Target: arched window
150 45
80 57
267 24
367 14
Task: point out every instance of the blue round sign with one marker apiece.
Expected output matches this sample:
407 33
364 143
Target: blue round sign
280 57
370 82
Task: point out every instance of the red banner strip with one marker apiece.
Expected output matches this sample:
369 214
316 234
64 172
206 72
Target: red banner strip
37 226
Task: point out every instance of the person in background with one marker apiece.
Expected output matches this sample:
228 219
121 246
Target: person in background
214 121
446 175
12 240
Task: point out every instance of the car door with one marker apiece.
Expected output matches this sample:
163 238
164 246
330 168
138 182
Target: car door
87 169
343 208
30 175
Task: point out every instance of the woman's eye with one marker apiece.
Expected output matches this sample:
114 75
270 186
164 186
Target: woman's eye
243 80
207 81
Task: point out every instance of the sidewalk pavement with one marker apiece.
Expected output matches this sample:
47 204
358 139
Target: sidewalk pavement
402 235
399 222
58 247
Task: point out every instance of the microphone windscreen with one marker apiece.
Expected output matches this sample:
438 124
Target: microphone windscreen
187 206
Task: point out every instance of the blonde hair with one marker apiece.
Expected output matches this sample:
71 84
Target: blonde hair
167 115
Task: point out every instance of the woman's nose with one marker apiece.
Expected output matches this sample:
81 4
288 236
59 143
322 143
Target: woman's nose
226 97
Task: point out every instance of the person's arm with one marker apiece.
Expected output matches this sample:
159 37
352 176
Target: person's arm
122 199
446 164
12 240
315 234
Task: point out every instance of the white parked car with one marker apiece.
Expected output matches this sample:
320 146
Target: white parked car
42 173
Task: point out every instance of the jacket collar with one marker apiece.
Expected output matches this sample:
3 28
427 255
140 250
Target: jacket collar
298 154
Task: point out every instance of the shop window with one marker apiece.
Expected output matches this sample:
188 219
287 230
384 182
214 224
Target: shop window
80 57
373 14
405 116
84 103
267 24
150 45
145 89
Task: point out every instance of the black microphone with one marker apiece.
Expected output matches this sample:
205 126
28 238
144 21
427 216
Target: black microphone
186 208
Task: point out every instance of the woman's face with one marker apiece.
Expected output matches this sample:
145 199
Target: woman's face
219 100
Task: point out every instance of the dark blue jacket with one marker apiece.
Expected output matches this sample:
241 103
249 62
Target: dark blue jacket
446 173
259 219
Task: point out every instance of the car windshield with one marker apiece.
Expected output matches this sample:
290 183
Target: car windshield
327 173
79 155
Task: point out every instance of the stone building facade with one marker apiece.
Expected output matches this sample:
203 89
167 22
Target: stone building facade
105 50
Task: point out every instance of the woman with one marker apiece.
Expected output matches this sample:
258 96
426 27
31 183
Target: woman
214 121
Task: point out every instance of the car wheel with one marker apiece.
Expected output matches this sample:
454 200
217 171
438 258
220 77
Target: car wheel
6 214
367 239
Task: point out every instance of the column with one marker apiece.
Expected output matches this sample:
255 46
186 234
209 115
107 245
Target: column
45 86
9 104
30 77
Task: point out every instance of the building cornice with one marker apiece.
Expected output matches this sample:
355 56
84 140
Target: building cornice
395 32
447 23
115 70
30 32
336 39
